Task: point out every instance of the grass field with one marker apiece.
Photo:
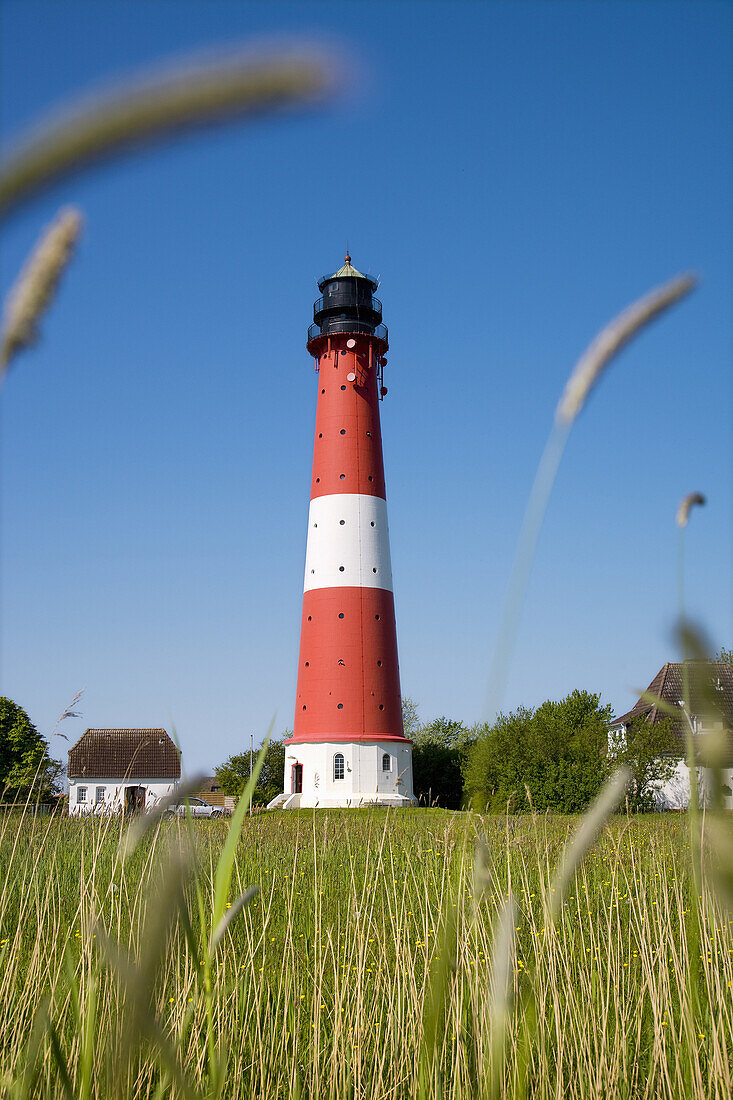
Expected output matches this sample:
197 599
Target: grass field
320 988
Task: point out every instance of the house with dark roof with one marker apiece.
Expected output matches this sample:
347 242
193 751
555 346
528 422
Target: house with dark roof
708 685
113 770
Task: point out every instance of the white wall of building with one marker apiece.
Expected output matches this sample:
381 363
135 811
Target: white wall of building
675 793
105 796
365 779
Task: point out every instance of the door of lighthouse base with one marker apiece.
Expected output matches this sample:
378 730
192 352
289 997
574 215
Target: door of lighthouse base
297 785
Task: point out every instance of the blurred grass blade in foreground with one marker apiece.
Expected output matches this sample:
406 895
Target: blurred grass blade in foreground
590 826
709 750
35 287
436 1008
144 822
139 979
225 864
503 954
585 375
152 107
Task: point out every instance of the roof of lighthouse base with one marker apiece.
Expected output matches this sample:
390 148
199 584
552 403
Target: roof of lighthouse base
347 738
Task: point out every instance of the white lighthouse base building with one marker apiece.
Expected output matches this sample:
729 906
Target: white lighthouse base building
348 774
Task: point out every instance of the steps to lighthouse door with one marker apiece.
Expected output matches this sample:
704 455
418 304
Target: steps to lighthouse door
278 801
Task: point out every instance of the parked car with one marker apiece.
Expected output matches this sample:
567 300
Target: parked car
198 807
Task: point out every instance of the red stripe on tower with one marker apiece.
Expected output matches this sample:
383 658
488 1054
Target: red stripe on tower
348 744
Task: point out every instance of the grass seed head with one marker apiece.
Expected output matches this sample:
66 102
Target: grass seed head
686 505
611 339
37 283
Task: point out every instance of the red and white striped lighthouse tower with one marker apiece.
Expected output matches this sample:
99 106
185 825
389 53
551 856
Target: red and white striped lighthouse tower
348 745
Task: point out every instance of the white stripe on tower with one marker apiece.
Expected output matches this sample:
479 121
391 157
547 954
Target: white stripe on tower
348 543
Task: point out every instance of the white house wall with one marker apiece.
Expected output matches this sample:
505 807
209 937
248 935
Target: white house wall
675 793
364 779
114 794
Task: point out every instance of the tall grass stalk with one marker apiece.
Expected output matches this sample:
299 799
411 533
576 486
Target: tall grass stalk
584 377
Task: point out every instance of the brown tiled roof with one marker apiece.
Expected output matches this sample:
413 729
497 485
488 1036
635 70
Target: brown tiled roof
710 689
132 754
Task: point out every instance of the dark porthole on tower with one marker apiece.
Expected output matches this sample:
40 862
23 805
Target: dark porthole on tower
376 616
343 387
341 569
379 664
342 522
340 706
381 706
372 523
343 431
341 614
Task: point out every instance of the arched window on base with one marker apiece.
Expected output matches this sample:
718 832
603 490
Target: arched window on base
338 766
386 762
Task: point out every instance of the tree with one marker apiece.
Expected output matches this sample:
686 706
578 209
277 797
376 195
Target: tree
438 751
651 752
410 716
26 769
234 773
551 758
723 657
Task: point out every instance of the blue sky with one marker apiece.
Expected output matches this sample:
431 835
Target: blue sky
516 173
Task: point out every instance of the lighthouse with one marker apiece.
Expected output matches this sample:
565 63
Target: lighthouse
348 746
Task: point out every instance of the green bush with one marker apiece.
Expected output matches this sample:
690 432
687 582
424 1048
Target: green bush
438 757
551 758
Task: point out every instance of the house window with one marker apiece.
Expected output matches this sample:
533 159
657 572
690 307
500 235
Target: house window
81 794
338 766
99 794
386 762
